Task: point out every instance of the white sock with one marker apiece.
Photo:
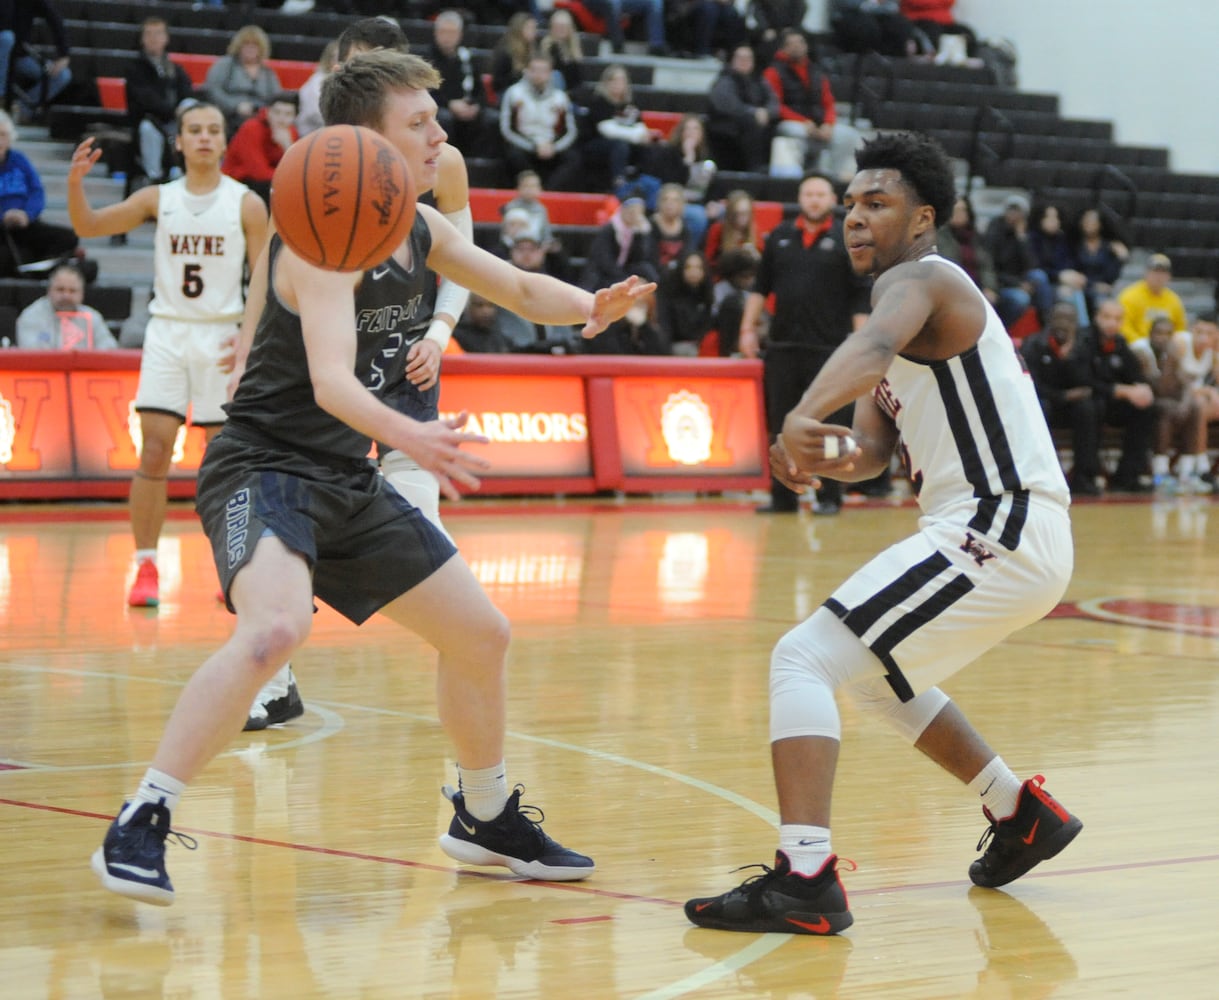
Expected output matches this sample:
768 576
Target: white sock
806 847
485 790
1202 464
146 555
998 788
158 788
1185 466
1159 465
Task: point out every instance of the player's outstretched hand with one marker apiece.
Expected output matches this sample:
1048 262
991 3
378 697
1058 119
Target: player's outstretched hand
83 158
611 304
437 448
814 448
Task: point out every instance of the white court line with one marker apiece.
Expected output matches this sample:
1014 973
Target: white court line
759 949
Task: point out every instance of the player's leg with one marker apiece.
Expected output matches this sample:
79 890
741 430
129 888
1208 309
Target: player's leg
147 501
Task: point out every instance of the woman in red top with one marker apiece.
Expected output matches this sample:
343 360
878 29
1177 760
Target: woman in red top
934 19
259 144
738 229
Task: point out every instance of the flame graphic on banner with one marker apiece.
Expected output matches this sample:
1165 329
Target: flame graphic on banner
8 431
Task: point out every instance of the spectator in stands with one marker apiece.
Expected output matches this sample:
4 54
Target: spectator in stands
685 159
863 26
1020 283
738 274
155 85
528 200
613 133
260 143
562 43
673 237
1180 421
622 246
935 19
1117 378
683 304
1060 361
240 82
961 242
766 20
539 128
36 81
818 300
512 53
636 333
1053 255
60 320
26 239
741 115
737 230
653 13
461 108
481 329
1149 295
528 254
309 113
1099 256
1196 350
706 27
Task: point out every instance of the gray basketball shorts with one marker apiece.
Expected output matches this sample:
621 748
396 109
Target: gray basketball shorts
364 544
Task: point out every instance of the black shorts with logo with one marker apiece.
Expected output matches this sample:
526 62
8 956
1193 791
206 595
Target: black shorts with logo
365 545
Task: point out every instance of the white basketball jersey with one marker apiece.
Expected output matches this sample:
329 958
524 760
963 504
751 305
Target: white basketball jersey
972 431
200 253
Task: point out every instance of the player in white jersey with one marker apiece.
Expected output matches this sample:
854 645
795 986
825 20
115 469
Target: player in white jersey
933 374
208 227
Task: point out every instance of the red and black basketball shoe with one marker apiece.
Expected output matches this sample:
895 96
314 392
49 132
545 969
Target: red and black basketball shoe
1038 829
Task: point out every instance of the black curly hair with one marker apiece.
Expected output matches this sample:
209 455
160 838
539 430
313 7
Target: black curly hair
923 164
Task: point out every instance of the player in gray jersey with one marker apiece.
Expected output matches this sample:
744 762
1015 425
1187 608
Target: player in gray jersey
933 374
294 509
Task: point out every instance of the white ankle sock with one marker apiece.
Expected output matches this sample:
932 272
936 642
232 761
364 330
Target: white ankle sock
998 788
806 847
146 555
1159 465
1185 466
485 790
158 788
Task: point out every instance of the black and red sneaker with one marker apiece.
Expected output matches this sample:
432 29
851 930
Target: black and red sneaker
779 901
1038 829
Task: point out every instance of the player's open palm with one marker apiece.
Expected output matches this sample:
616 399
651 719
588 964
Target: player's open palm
437 447
83 158
611 304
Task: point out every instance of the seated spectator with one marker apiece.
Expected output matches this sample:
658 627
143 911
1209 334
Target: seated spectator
766 21
155 86
1117 378
309 113
685 159
683 304
473 127
1196 350
935 19
672 236
706 27
512 53
959 241
481 329
737 229
1052 254
539 128
562 43
1099 256
1021 284
807 112
535 338
741 115
1060 362
636 333
528 201
862 26
1180 422
622 247
240 82
1148 296
35 81
260 143
27 240
653 13
612 133
60 321
738 274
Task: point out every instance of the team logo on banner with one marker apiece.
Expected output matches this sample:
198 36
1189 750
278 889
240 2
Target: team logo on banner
685 424
8 431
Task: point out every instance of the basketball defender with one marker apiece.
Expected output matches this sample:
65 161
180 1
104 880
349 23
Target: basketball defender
933 373
294 509
208 227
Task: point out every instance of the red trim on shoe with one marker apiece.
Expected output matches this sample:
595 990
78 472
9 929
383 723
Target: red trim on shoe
1034 786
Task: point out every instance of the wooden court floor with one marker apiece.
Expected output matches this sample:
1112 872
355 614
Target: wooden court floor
638 721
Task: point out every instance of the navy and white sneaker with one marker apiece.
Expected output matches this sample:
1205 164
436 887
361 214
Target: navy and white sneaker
278 702
131 860
514 839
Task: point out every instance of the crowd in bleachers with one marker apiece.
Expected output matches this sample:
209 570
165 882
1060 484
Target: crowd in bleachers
692 181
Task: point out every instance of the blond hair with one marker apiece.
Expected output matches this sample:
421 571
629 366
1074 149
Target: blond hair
250 33
355 93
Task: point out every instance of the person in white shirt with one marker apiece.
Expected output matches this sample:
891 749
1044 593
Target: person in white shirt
60 320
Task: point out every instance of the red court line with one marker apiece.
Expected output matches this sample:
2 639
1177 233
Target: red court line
592 890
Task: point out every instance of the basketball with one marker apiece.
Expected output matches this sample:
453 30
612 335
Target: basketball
342 198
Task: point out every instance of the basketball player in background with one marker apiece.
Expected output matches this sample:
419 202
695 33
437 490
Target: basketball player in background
933 373
208 227
294 509
279 701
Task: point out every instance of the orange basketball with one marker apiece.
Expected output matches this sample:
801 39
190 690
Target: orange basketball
342 198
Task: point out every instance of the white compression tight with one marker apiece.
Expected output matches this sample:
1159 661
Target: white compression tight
819 656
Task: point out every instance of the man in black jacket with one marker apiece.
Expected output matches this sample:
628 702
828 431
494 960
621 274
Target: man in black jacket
155 88
473 127
34 82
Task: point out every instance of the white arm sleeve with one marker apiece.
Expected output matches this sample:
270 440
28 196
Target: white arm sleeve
451 298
